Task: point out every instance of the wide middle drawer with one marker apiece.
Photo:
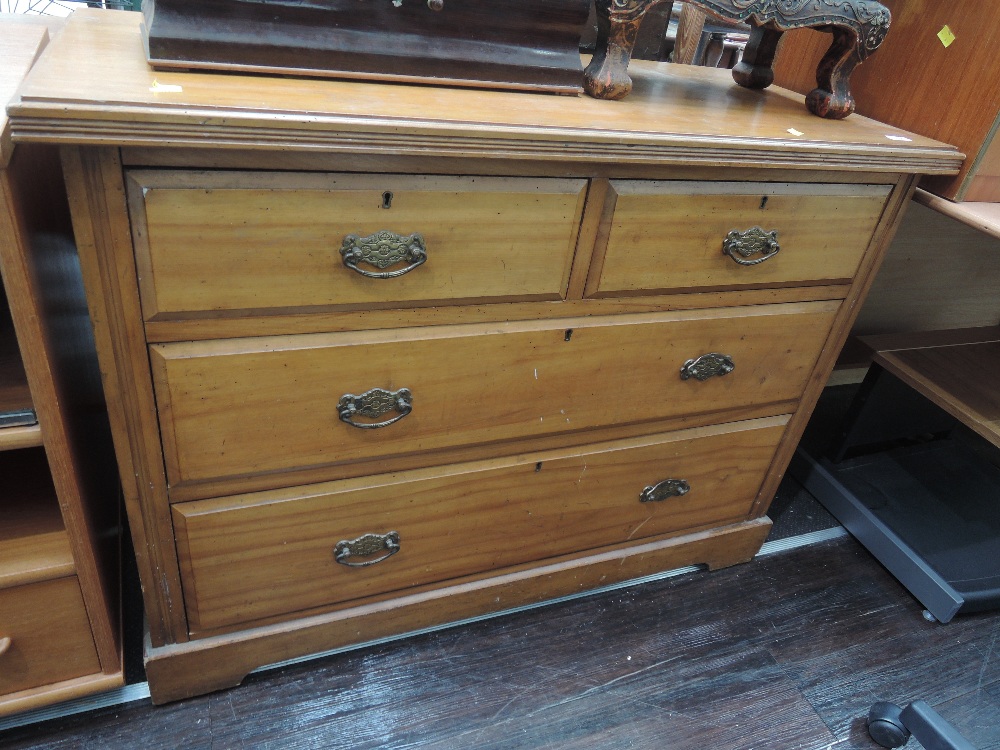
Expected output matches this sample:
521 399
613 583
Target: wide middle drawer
260 555
244 407
216 243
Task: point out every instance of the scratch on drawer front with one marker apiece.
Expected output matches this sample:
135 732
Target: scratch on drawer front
636 529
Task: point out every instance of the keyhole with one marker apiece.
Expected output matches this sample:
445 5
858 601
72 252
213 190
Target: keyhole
569 334
387 200
763 202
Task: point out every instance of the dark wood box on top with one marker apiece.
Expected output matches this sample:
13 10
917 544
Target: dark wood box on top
516 44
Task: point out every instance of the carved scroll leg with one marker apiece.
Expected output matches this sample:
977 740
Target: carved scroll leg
607 75
754 70
832 97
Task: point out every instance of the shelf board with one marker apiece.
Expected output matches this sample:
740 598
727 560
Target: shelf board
34 545
954 369
984 217
13 438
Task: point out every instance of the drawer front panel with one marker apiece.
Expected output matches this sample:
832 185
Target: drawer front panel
212 243
268 554
668 236
50 638
244 407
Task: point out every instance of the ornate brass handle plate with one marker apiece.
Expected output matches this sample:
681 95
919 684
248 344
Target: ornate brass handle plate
742 246
383 249
366 546
708 365
662 490
373 404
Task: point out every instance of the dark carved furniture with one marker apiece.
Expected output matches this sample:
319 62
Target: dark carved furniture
858 28
518 44
951 91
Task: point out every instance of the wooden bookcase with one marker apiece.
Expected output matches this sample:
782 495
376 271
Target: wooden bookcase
59 496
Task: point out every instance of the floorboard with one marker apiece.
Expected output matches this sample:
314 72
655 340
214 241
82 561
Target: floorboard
787 652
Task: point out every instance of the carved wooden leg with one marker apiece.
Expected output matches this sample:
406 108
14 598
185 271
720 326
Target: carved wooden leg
754 70
618 24
832 97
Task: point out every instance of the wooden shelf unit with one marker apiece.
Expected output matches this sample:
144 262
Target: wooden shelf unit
59 496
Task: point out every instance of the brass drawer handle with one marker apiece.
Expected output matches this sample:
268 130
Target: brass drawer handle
663 490
384 249
373 404
708 365
366 546
4 644
741 246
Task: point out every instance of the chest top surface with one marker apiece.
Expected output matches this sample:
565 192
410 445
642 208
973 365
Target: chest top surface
676 114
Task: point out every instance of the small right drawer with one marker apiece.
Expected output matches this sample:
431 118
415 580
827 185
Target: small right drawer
661 237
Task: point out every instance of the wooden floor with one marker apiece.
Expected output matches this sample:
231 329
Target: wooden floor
786 652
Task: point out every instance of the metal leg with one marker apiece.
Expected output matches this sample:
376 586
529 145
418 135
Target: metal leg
891 726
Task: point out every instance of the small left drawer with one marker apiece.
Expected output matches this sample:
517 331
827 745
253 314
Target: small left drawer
219 243
45 635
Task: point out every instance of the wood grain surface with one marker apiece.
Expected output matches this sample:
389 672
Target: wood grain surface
237 408
675 114
254 556
50 635
279 238
669 235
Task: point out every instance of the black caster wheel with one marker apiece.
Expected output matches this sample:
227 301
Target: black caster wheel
885 725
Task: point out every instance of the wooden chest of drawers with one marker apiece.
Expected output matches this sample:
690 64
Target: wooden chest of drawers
381 358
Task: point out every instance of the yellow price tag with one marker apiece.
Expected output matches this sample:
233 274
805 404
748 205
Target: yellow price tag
946 36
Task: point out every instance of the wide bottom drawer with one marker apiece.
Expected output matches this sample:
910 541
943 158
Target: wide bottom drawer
47 636
262 555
